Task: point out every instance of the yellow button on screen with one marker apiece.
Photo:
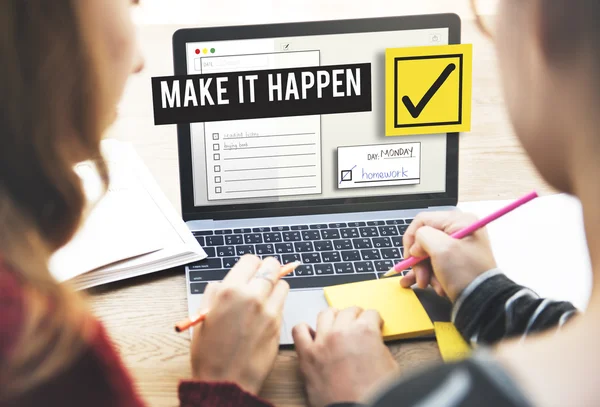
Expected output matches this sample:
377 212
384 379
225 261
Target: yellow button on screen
428 90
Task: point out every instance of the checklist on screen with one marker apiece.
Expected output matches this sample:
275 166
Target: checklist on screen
262 157
379 165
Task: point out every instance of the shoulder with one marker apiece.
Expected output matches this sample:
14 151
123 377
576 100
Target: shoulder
11 308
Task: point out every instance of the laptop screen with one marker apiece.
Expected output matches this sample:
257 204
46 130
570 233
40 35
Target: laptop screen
316 157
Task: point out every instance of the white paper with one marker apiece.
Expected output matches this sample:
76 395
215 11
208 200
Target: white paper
542 245
117 228
133 230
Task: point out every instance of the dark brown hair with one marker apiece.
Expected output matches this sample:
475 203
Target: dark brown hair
49 120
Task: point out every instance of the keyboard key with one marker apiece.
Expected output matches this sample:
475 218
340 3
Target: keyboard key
200 240
275 256
337 225
322 269
343 268
323 245
290 258
318 226
244 230
382 242
244 249
229 262
202 232
408 221
395 222
330 257
198 288
206 264
397 241
261 230
253 238
223 251
291 236
349 233
369 232
208 275
370 254
390 254
272 237
223 232
402 228
280 228
383 265
210 251
263 249
284 248
362 243
309 258
330 234
302 247
311 235
234 239
344 244
215 241
375 223
364 267
326 281
356 224
388 231
299 227
350 255
304 270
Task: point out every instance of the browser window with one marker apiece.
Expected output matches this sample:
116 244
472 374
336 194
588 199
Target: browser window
300 158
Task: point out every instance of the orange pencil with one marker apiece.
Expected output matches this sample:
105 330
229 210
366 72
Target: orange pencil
190 322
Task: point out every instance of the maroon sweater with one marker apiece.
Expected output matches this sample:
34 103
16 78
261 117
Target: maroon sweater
97 377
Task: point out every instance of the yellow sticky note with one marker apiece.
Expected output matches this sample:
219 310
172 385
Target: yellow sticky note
428 89
451 343
402 312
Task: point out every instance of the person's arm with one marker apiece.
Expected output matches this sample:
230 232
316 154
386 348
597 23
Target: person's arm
471 383
492 307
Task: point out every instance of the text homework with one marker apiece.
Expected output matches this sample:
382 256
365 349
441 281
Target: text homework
262 94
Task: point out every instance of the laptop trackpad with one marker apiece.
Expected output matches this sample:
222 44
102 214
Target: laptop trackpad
301 306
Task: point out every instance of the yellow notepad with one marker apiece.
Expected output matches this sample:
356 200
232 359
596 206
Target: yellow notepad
451 343
402 312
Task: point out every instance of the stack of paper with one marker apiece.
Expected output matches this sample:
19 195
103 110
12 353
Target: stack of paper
133 229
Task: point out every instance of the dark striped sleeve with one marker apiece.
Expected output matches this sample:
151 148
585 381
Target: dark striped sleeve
493 307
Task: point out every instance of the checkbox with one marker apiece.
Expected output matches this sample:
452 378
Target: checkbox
217 168
215 136
216 156
346 175
215 147
217 190
217 180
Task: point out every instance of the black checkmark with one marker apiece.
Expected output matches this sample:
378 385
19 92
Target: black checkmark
415 111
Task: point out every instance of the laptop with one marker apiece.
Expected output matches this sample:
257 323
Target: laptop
306 187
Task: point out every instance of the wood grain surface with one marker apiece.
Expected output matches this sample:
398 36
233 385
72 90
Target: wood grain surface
139 313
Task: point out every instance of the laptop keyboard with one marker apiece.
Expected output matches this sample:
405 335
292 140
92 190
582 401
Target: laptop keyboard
331 254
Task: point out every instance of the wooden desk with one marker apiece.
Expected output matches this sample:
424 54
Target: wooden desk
140 313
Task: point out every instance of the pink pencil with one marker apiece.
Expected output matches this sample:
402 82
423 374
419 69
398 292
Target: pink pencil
411 261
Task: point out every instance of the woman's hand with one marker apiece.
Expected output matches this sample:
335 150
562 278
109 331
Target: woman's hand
239 339
453 263
345 359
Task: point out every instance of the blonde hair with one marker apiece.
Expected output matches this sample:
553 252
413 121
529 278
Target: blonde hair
50 99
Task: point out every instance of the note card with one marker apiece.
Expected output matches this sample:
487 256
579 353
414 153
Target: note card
402 312
452 345
379 165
